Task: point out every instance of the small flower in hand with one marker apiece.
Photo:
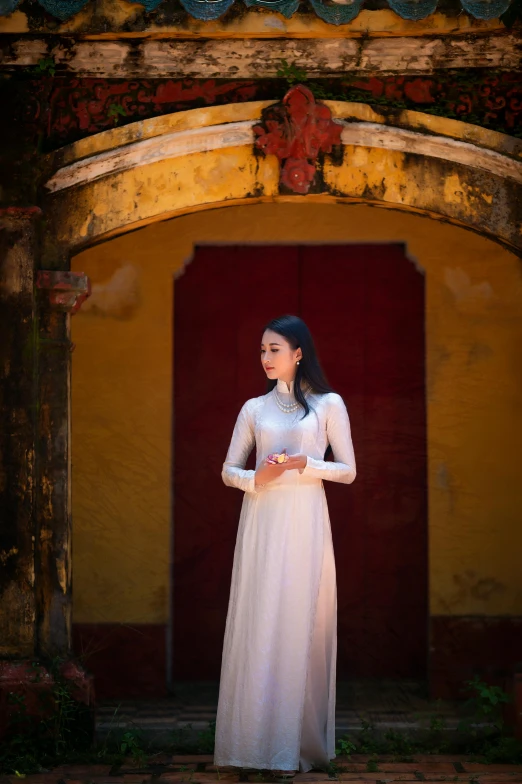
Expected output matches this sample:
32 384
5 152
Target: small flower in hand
277 457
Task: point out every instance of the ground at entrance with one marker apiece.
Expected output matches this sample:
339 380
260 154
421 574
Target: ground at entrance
199 769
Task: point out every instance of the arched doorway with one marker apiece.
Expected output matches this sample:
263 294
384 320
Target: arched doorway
131 177
123 405
365 306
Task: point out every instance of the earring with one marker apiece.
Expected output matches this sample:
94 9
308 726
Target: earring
297 361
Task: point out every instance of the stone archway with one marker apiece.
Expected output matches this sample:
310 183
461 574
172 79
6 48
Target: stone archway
201 159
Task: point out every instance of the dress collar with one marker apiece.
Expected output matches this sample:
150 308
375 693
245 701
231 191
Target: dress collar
283 389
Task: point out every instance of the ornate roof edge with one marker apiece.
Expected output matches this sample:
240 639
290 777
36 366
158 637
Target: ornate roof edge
336 13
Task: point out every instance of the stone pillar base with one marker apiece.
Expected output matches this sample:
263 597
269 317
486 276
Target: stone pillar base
30 692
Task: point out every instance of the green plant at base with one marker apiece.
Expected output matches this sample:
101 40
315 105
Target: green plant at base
63 729
398 744
131 745
332 770
437 738
183 769
18 751
345 747
488 700
182 743
367 742
68 720
484 729
62 738
505 749
207 739
484 721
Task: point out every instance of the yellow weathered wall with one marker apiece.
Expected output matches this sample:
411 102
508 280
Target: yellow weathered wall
122 404
164 167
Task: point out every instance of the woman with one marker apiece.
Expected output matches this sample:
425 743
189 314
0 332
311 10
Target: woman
276 707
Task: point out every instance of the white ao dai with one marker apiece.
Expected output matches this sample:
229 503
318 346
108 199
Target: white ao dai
276 706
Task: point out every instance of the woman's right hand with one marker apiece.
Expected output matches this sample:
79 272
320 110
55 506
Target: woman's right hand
267 472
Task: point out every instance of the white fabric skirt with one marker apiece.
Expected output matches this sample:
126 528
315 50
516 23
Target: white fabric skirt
276 706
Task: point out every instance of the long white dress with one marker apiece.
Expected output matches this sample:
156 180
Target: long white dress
276 707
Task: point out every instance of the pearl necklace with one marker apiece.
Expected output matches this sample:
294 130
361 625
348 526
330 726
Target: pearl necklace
288 408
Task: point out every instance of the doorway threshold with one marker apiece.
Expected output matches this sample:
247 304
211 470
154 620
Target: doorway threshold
382 705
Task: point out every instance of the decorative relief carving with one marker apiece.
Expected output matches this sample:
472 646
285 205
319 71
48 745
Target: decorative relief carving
65 290
297 130
64 109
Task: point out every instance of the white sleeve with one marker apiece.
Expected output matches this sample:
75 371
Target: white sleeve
340 439
241 444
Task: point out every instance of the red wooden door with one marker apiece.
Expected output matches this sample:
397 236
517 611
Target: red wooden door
365 307
221 303
366 312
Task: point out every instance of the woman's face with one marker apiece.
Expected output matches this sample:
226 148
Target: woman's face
278 357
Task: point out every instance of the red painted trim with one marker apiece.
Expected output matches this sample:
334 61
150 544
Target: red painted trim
20 212
126 660
130 661
65 108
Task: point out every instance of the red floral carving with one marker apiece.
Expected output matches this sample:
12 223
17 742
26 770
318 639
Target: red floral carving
297 175
296 131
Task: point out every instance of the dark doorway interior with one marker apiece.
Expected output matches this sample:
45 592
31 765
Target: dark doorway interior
365 307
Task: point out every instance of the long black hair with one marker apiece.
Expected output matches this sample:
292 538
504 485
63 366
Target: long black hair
295 331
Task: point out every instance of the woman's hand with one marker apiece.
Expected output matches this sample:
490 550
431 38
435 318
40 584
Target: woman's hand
296 461
267 472
270 469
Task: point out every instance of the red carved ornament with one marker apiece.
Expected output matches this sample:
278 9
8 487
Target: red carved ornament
296 131
65 290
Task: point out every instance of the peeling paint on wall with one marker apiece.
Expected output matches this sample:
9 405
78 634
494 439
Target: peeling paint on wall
459 283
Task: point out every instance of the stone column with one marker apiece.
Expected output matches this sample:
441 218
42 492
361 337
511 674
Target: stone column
60 294
18 255
35 523
35 487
